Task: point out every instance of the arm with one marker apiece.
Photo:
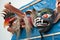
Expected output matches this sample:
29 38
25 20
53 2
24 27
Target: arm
57 11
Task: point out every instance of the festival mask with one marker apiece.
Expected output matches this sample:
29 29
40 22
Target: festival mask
44 19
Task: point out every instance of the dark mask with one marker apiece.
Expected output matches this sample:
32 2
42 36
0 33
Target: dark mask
44 19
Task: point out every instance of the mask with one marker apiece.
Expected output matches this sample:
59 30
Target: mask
44 19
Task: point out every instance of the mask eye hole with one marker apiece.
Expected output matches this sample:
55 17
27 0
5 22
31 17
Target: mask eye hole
46 15
28 15
58 3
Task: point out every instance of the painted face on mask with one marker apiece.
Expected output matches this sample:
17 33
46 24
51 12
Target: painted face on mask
44 18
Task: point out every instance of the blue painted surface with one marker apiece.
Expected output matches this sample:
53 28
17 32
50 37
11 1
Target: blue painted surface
55 27
45 4
28 4
57 37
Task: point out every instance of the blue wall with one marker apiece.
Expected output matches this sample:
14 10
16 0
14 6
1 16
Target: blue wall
42 4
55 28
